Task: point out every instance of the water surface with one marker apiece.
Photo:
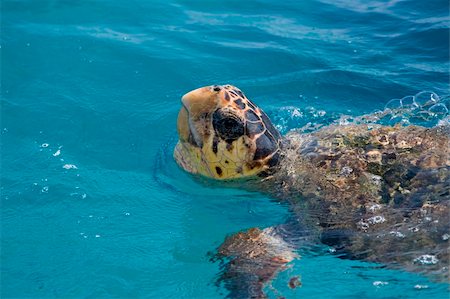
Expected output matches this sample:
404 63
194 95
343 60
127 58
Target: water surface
92 203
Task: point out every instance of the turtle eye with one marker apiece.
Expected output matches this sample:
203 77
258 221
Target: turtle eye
228 126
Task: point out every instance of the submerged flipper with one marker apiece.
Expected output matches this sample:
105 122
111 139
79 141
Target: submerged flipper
252 259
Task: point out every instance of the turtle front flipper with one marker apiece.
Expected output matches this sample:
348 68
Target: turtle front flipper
252 259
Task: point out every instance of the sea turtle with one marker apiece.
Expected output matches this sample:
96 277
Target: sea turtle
370 192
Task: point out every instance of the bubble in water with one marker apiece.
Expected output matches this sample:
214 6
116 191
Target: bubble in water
393 104
426 98
409 101
425 108
398 119
438 110
423 115
435 97
296 113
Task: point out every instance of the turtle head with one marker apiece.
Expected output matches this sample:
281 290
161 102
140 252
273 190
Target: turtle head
223 135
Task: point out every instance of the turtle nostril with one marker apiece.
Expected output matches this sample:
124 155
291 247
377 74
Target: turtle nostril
216 88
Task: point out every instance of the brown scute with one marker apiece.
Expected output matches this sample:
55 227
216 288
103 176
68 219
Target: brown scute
219 171
253 129
270 126
265 145
233 93
250 115
273 161
240 104
239 93
251 105
253 165
322 164
386 157
226 96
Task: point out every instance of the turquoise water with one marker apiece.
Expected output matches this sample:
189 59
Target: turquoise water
92 203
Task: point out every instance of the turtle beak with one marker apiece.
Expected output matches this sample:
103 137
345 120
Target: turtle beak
199 101
183 124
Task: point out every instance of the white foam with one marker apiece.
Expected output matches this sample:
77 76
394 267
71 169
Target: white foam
70 166
379 283
414 229
346 171
397 234
363 225
427 259
374 207
376 219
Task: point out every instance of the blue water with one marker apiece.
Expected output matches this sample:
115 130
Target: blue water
92 203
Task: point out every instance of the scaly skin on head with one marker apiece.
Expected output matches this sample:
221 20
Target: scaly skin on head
223 135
